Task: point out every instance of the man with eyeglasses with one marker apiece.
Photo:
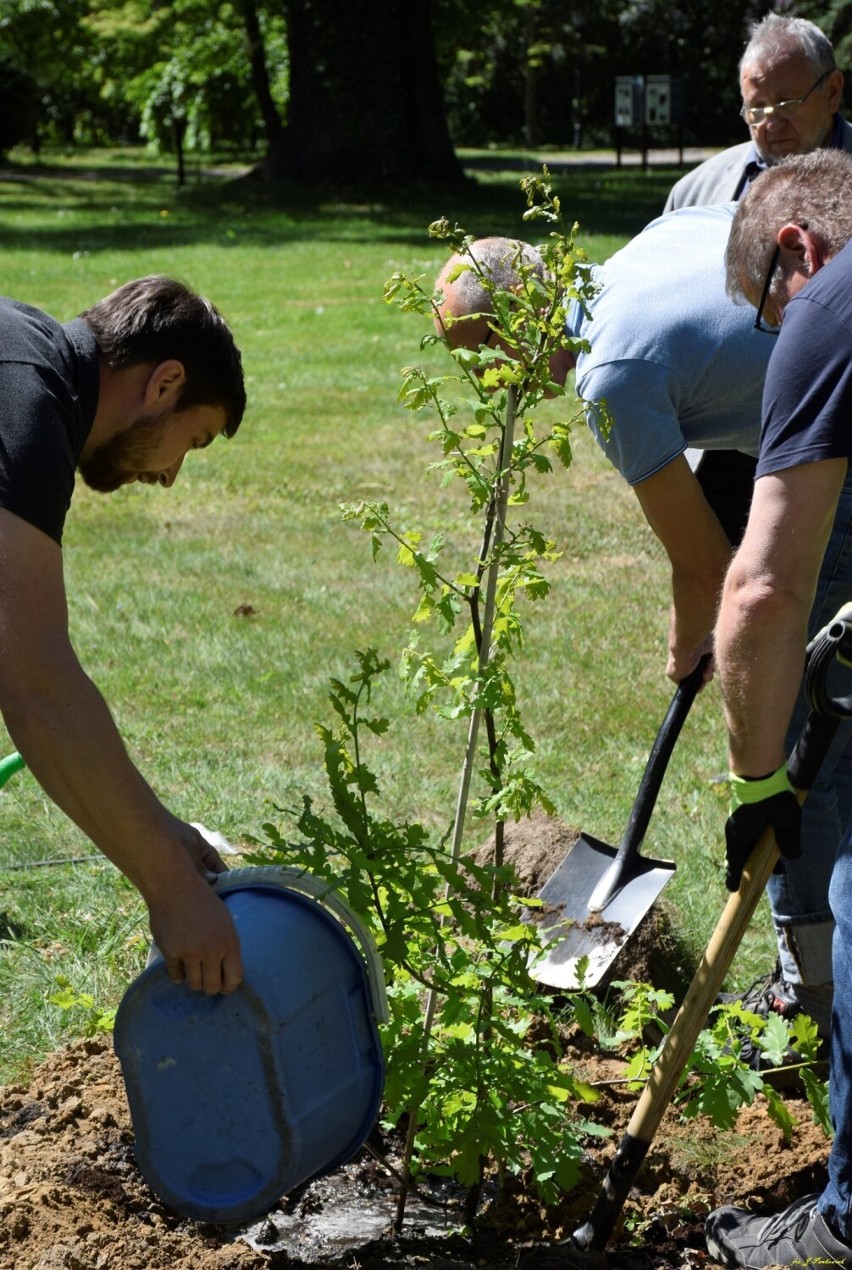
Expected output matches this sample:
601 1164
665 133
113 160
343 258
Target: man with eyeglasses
791 90
790 253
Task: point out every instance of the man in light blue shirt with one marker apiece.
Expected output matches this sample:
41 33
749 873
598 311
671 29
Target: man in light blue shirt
680 366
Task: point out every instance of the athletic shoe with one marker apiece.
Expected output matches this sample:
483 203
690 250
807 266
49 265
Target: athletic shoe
800 1236
771 995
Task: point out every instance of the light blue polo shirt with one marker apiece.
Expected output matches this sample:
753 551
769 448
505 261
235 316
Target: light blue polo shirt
678 363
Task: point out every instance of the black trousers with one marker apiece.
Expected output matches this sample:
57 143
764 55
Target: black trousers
727 480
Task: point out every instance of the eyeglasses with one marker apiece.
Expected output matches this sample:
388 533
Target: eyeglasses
756 115
764 295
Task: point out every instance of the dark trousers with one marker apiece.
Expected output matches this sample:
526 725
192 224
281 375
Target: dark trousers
727 479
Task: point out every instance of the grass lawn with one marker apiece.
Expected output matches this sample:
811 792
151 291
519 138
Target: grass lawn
213 615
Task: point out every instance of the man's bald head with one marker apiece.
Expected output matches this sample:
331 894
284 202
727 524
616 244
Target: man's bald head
468 281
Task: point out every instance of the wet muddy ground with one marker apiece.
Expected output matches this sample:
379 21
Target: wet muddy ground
71 1197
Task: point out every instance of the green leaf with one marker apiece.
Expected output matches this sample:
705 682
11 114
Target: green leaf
583 1015
65 999
773 1040
804 1036
779 1113
817 1095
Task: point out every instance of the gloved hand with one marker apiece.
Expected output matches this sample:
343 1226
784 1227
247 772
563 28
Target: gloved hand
755 805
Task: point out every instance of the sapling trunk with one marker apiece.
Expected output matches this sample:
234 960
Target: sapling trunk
492 569
489 563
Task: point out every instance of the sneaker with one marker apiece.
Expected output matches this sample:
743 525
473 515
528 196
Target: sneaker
800 1236
772 995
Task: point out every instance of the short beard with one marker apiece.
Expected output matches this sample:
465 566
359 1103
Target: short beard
118 461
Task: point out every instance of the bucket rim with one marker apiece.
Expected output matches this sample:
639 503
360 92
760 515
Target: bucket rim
287 878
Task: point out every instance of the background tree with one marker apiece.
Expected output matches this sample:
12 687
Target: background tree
259 66
526 71
32 33
700 44
543 71
835 18
185 70
18 105
369 93
364 104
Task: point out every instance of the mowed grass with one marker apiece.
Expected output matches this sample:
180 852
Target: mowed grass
212 615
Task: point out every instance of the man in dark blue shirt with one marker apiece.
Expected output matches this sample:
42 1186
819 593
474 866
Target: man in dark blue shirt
790 253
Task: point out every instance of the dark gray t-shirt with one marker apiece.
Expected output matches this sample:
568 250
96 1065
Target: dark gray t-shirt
48 399
807 401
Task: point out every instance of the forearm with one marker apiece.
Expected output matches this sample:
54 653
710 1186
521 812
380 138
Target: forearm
62 726
760 640
762 630
695 602
699 553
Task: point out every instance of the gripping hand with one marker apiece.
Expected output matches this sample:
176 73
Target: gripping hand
755 806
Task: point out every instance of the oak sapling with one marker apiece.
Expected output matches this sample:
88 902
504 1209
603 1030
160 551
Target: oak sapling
475 1063
462 1070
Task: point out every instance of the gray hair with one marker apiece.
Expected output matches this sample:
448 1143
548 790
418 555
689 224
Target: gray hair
495 264
776 35
811 190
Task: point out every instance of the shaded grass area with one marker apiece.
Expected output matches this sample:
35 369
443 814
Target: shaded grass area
213 615
608 202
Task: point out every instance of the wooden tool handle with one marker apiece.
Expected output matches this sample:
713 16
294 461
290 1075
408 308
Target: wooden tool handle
679 1044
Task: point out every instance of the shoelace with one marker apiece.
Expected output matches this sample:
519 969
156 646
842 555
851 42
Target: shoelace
793 1221
764 991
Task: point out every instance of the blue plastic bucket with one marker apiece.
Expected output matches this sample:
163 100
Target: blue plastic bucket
235 1100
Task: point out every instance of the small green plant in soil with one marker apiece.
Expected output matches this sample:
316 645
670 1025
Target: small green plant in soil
94 1019
462 1072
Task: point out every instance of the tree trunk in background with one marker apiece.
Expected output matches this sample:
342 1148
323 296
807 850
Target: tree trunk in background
365 105
272 125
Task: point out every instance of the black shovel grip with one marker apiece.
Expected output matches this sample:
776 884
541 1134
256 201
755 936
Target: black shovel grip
658 761
649 788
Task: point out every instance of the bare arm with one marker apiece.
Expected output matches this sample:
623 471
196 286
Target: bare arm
62 726
699 553
762 628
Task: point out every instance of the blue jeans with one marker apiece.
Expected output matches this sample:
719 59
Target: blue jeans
799 896
836 1200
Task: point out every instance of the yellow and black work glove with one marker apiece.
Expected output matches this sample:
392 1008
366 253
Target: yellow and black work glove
755 806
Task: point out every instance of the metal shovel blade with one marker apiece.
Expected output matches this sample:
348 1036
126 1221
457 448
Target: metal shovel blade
598 894
577 931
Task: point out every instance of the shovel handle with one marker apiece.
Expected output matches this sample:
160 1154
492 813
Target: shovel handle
678 1045
649 788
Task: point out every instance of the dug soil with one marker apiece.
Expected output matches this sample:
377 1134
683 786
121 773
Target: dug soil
71 1197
